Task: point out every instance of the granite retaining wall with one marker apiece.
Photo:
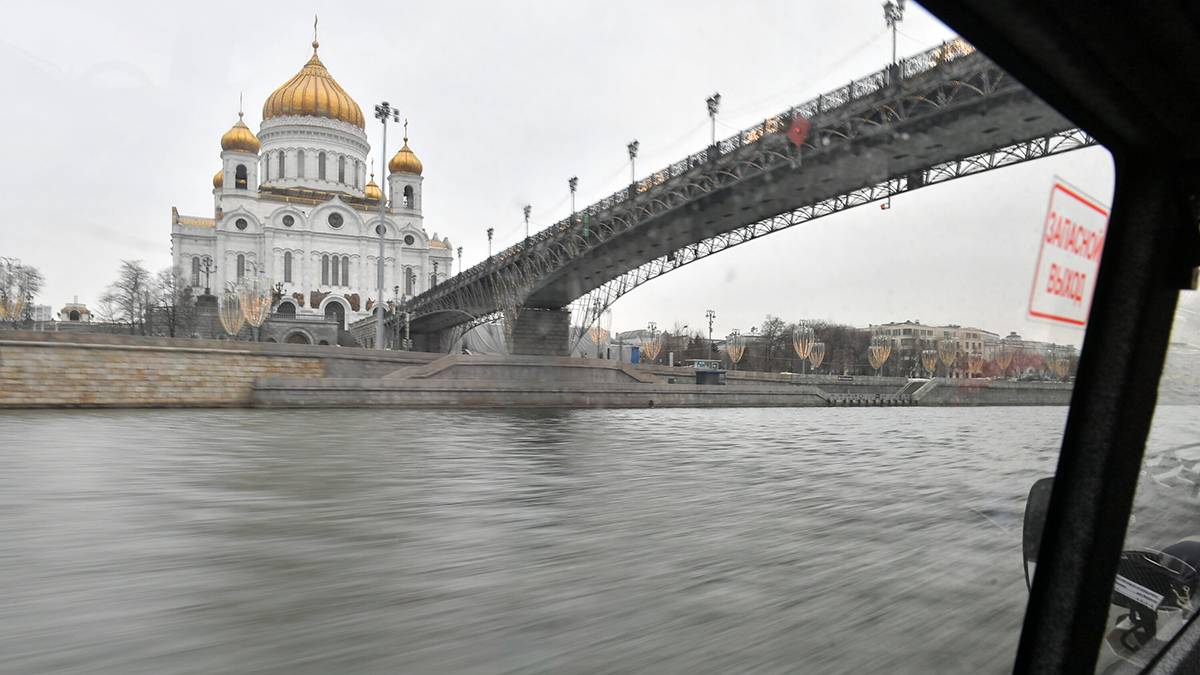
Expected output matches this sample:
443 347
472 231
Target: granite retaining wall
39 370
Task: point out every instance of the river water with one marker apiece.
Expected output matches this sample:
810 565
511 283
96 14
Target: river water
587 541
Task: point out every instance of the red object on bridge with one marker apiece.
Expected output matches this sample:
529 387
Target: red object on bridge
799 129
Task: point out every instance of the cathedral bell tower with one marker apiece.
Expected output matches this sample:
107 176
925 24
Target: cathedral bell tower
239 161
404 181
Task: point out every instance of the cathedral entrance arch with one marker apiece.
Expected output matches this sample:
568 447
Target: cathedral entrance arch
334 309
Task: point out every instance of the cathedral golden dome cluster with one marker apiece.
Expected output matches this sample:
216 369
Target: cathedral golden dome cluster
218 179
240 138
313 92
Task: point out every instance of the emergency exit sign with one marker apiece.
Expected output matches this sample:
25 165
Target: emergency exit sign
1069 258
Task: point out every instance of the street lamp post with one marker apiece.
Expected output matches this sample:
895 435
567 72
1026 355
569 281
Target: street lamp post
460 260
491 231
208 267
383 112
527 210
710 315
633 150
714 105
573 183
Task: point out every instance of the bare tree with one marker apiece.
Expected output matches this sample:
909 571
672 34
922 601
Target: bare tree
175 306
130 296
19 284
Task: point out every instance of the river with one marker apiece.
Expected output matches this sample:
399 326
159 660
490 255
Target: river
378 541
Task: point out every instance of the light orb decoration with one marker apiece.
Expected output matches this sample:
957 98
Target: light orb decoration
600 331
879 351
947 354
256 305
975 363
1004 359
817 356
929 360
735 347
803 339
230 310
653 347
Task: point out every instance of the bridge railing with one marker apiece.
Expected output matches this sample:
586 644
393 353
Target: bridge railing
912 66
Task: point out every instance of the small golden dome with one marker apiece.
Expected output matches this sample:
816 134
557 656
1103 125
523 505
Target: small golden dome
219 178
240 138
372 190
313 92
405 160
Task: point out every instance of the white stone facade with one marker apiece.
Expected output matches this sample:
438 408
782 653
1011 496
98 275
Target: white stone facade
307 224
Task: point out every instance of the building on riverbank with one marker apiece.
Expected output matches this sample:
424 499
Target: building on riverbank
298 205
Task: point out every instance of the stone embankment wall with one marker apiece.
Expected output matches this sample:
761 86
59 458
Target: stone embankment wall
994 392
94 370
460 393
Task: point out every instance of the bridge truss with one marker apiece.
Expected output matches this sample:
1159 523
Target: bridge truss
588 307
873 115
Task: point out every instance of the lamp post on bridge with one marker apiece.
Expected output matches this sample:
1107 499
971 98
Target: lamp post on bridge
714 105
491 231
383 112
893 14
573 183
527 209
460 260
633 150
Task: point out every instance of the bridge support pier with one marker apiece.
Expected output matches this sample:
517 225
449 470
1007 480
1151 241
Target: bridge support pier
542 332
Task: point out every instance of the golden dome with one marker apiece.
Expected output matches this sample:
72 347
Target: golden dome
405 160
313 92
219 178
372 190
240 138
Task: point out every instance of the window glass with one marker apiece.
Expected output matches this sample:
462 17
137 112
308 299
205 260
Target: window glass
1158 576
768 314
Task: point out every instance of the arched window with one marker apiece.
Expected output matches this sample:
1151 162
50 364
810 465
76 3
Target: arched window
239 177
287 266
279 169
300 164
410 281
321 166
336 264
345 270
195 271
286 308
408 197
324 270
241 266
432 279
342 169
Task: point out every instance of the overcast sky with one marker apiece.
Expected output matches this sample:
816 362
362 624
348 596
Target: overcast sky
113 112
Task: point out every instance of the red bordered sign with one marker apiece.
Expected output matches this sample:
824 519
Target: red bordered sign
1072 241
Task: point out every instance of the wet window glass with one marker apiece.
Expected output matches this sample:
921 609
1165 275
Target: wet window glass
718 341
1158 575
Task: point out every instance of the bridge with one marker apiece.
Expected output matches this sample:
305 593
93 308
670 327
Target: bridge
946 113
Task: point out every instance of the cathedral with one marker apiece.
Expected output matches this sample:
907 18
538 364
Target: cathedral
297 206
